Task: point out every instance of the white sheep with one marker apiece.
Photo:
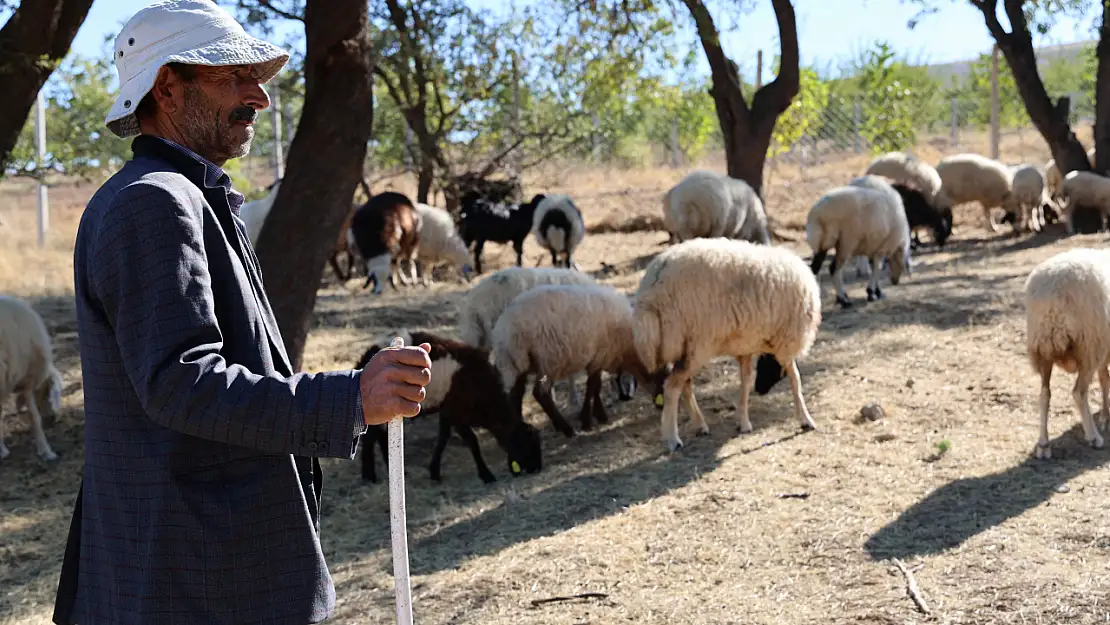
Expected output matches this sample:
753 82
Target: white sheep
976 178
914 172
439 243
1067 316
713 297
1053 178
558 227
1084 189
27 370
860 220
557 330
484 303
1029 197
710 204
254 213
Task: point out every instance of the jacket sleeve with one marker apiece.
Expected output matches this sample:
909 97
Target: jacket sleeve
150 274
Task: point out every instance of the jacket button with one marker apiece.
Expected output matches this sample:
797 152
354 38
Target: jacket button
312 445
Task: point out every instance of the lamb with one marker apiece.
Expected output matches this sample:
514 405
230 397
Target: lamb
27 370
385 229
976 178
1085 192
254 213
484 303
558 227
467 392
712 297
439 243
1067 308
858 220
709 204
482 220
1029 197
556 330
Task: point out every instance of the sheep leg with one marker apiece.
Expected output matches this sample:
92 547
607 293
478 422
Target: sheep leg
692 407
800 410
542 395
554 259
516 396
873 291
672 390
42 447
368 440
425 274
593 384
4 451
478 255
994 227
747 381
818 260
1079 394
574 398
1043 451
838 281
471 441
519 247
442 436
1104 384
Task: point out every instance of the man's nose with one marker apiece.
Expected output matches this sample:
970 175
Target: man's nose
253 95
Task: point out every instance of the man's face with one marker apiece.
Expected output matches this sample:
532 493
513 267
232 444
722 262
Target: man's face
219 108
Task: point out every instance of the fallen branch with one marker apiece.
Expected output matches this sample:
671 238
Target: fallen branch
584 595
911 587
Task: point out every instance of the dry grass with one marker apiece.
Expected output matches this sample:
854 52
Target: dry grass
703 536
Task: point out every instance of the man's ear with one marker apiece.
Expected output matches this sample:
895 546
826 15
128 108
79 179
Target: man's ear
168 90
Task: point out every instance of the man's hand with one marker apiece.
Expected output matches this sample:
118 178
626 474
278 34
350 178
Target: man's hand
392 383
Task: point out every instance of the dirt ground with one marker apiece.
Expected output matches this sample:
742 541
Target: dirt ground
768 527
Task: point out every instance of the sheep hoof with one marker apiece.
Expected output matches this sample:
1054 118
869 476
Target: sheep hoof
744 428
4 453
673 446
703 431
843 302
1042 452
874 294
809 426
1096 442
488 478
50 456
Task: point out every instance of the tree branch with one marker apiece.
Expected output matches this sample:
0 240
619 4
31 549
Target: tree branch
989 9
269 6
780 92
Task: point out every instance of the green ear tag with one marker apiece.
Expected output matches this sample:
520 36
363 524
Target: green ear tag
659 400
515 467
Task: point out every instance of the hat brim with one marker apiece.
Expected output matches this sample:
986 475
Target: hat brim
234 49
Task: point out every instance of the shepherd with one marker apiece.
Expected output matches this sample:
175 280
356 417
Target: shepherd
200 496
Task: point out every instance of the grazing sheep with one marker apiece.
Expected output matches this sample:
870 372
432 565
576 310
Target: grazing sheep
976 178
1029 198
385 229
27 370
1067 316
913 172
558 227
254 213
709 204
713 297
482 220
439 243
1086 201
467 392
859 220
557 330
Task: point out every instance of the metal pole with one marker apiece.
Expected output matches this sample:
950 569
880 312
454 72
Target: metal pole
955 120
856 124
40 136
275 110
994 102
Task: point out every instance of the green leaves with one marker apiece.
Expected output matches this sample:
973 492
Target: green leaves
804 114
889 105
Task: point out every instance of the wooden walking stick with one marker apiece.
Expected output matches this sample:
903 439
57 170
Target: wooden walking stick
397 523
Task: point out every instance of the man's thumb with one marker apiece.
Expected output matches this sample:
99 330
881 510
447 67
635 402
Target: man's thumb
426 347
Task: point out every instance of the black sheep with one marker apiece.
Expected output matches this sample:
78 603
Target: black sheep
482 220
920 213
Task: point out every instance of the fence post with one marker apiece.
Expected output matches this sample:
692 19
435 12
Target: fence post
994 102
955 120
674 142
758 69
275 122
40 140
856 124
596 139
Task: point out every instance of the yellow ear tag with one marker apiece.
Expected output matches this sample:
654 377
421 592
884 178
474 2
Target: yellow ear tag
659 400
515 467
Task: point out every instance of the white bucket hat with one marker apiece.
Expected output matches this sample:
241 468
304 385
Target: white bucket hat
196 32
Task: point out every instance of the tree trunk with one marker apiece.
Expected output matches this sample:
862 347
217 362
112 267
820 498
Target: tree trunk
1101 162
747 131
424 179
32 43
1017 47
316 193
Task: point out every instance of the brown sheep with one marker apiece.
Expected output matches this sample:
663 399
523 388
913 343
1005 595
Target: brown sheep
386 229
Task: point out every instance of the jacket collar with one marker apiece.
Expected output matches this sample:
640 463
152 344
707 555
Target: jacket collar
199 170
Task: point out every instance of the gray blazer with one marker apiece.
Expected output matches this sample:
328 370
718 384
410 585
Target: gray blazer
200 499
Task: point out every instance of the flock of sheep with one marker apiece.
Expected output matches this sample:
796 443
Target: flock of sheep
720 289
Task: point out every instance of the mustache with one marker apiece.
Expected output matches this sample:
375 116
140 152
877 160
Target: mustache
243 114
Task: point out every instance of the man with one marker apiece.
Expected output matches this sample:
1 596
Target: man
200 498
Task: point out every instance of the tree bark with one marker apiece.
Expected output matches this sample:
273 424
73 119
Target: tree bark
1101 162
33 42
316 193
1017 47
425 176
747 131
